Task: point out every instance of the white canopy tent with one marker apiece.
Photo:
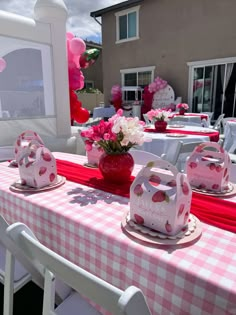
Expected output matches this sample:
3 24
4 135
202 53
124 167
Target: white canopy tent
34 90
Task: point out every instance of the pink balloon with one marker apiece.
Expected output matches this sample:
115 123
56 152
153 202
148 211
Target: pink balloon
69 35
3 64
77 46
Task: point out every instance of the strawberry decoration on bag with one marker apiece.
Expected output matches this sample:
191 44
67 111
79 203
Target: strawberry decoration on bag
160 198
23 141
37 166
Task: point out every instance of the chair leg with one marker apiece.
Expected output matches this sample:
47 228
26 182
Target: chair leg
9 284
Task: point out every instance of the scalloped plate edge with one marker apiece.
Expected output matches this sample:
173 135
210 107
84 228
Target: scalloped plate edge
158 241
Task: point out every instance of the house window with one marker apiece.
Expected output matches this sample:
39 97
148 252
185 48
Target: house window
88 84
137 77
212 86
127 24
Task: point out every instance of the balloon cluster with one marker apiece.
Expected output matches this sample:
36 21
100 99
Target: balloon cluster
157 84
78 57
116 96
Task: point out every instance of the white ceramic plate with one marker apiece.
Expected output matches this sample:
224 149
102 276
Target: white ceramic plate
90 165
226 193
192 231
175 126
176 135
18 187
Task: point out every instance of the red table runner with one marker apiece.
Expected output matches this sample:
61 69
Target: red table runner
212 210
214 135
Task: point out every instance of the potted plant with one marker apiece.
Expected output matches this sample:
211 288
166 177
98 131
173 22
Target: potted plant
116 137
182 107
159 117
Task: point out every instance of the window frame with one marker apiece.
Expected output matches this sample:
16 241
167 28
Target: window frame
88 82
137 70
203 63
122 13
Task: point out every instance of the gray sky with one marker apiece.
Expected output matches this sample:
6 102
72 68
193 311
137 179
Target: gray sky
79 22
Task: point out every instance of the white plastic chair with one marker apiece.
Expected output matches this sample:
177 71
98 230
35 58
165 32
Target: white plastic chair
128 302
209 114
20 276
103 112
217 124
147 121
16 271
143 157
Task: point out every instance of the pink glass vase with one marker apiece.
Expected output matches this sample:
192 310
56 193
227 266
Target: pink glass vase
160 125
116 168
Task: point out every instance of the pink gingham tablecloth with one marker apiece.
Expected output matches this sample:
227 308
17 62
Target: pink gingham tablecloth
84 225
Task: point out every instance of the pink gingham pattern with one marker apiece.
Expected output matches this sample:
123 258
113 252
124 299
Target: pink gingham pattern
84 225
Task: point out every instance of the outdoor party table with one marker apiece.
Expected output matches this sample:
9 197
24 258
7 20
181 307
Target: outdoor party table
202 116
167 142
192 117
84 225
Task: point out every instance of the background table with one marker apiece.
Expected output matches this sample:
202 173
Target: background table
192 117
84 225
162 143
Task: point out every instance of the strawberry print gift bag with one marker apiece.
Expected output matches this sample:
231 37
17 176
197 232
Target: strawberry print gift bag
208 167
37 167
160 198
23 140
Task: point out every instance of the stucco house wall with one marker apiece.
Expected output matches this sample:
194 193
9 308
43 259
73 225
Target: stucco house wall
171 33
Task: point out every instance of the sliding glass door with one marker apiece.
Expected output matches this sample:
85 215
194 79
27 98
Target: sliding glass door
212 87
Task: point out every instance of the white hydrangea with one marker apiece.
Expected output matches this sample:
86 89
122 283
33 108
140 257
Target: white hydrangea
131 129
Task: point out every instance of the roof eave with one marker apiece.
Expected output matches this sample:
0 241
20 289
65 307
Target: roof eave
122 5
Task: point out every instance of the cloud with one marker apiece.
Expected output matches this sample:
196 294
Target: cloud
79 21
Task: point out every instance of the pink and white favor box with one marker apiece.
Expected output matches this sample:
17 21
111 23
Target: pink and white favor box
94 155
208 167
39 169
23 140
160 198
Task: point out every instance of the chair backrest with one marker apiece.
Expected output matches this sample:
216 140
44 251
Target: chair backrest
147 121
182 153
143 157
128 302
217 124
16 270
103 112
210 115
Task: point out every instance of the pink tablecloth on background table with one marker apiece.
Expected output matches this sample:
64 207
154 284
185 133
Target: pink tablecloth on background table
84 225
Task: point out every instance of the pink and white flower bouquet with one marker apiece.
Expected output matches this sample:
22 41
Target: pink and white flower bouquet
183 106
117 135
158 115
